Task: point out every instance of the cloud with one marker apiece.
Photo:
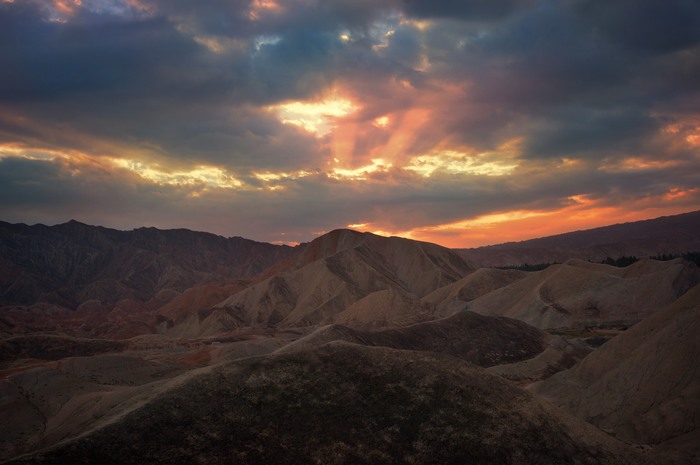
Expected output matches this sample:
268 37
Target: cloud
645 25
473 10
263 117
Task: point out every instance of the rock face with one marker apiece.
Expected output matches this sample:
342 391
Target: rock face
342 403
71 263
676 234
643 386
579 293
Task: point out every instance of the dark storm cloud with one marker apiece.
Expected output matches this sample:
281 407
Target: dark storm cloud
54 190
591 132
469 10
147 79
295 66
92 56
648 25
552 76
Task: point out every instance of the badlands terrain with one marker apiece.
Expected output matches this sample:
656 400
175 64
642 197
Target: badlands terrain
175 346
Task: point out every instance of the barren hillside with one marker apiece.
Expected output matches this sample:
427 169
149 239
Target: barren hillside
343 404
643 386
580 294
359 279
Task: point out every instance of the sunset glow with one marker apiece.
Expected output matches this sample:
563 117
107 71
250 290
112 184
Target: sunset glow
206 176
463 124
314 117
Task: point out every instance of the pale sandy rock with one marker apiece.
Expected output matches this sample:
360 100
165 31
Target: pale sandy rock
579 293
472 286
643 386
345 276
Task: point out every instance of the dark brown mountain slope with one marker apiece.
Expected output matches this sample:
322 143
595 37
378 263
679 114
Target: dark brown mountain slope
71 263
343 403
676 234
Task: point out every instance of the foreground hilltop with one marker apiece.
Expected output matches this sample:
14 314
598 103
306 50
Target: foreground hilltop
343 403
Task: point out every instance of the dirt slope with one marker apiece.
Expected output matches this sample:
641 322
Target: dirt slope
472 286
643 386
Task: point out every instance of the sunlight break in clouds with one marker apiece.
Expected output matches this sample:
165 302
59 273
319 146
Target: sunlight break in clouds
361 173
497 163
208 176
521 225
316 117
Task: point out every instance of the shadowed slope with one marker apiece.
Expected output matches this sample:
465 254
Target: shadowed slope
481 282
52 347
344 404
47 404
476 338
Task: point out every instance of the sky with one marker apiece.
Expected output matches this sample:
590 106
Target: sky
463 123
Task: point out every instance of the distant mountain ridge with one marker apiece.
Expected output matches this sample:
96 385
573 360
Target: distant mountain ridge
71 263
675 234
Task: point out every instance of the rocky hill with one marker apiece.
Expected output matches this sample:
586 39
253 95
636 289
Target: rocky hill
343 277
483 340
581 294
172 347
643 386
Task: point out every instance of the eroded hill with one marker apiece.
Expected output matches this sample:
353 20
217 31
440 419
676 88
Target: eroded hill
643 386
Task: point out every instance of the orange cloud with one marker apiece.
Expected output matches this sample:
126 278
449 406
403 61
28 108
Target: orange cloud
517 225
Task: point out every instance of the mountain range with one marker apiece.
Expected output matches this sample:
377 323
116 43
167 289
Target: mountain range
152 346
670 235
